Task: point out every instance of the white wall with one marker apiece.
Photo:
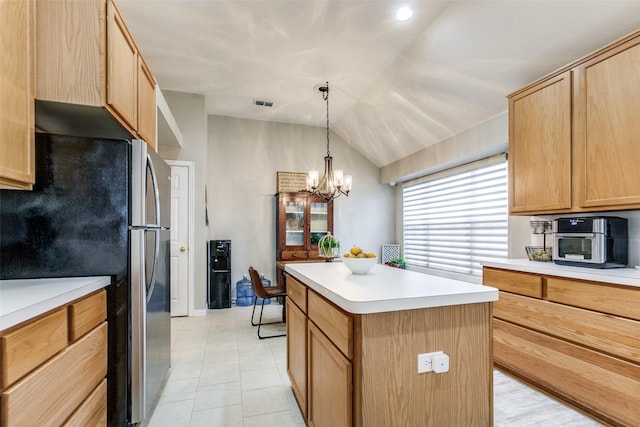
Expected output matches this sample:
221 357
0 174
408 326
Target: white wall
189 112
243 159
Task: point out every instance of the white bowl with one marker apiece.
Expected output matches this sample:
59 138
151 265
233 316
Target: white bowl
360 265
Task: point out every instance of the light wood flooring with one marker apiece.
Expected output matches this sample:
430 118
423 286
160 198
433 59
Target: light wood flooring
222 375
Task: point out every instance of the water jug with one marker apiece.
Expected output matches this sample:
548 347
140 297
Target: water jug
265 282
244 292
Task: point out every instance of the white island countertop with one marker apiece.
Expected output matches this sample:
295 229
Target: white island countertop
386 288
24 299
618 276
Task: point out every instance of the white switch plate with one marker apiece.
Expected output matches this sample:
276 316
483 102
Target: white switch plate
425 361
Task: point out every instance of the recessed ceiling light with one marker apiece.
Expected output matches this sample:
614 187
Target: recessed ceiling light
404 13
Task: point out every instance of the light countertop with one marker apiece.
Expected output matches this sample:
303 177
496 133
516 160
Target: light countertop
24 299
620 276
386 288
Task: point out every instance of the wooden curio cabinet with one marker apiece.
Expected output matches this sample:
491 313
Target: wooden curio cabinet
301 222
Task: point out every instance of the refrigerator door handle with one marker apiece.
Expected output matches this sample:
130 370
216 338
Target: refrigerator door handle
156 255
156 192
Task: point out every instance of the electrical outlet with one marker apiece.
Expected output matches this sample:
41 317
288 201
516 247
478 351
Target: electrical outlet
425 361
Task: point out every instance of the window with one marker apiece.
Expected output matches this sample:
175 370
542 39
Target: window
456 222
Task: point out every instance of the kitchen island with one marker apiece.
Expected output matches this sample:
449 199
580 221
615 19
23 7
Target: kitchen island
353 343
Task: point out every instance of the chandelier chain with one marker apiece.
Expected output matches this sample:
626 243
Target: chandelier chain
325 95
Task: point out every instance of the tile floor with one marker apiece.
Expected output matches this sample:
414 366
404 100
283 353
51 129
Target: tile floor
222 374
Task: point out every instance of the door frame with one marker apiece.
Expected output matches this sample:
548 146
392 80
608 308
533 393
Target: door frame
191 311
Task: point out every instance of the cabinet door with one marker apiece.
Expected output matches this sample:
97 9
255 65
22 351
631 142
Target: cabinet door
16 101
330 383
292 223
608 131
540 147
297 354
122 69
146 104
318 220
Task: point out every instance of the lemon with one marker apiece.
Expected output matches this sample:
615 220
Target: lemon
355 250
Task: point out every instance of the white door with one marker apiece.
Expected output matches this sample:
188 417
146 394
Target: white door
180 240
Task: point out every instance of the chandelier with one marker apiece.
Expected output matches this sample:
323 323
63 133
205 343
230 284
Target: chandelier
333 184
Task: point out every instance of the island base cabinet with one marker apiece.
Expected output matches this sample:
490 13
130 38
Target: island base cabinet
297 354
575 374
361 369
330 383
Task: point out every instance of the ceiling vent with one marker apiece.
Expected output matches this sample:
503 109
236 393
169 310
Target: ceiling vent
262 103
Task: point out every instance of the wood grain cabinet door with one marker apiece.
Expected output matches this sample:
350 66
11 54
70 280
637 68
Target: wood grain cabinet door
540 147
17 168
122 69
608 128
146 104
297 353
330 383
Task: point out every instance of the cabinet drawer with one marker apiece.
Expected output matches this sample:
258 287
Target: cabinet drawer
25 347
51 393
512 281
93 411
335 324
606 298
594 382
289 255
297 292
86 314
603 332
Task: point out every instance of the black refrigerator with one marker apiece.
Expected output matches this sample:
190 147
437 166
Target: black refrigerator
101 207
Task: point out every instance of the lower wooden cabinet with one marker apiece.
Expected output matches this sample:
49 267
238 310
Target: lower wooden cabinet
594 382
54 367
297 353
579 341
93 411
330 383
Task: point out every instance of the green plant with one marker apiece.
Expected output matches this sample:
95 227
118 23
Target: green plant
328 244
397 262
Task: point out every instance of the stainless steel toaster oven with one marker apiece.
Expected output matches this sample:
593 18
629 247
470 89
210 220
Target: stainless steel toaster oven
597 242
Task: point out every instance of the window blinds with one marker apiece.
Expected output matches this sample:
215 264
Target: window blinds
456 222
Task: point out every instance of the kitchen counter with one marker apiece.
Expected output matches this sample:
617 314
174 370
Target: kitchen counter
619 276
386 288
21 300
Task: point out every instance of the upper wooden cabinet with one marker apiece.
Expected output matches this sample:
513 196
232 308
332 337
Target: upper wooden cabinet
540 146
607 131
87 57
146 104
16 99
302 220
573 135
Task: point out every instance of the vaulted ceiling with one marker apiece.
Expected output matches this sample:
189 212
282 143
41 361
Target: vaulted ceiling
396 86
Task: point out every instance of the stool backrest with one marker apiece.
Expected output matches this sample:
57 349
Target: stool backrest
256 282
